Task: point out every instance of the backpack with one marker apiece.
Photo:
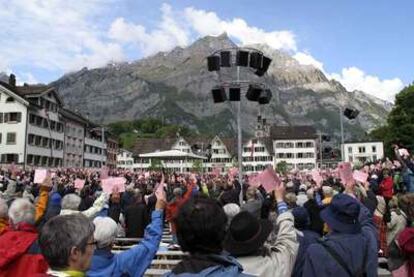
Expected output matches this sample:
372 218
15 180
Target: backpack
359 273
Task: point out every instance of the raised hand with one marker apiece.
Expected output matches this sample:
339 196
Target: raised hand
279 192
161 197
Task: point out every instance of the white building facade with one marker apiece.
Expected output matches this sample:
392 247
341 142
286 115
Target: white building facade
31 129
125 159
295 145
13 121
257 155
363 151
222 153
297 153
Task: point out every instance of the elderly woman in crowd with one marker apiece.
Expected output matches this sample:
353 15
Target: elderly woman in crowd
231 210
254 202
67 244
71 202
19 253
302 197
132 262
327 195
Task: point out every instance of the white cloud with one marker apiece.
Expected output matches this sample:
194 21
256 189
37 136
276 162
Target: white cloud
208 23
353 78
26 77
307 59
168 33
61 35
179 28
55 34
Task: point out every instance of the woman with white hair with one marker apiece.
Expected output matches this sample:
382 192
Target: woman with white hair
133 262
231 210
19 254
71 202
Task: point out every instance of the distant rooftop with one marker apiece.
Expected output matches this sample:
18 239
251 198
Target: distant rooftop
292 132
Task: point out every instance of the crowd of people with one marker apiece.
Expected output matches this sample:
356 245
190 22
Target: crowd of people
301 227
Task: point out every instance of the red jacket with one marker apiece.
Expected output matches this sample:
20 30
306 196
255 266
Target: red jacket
173 207
386 187
19 252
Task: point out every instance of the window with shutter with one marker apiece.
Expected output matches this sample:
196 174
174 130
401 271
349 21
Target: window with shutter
14 117
1 117
11 138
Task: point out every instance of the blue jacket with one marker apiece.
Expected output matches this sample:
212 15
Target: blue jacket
408 179
226 266
305 238
133 262
351 248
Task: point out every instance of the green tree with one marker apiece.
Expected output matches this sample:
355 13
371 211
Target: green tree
400 122
156 165
281 167
198 166
128 131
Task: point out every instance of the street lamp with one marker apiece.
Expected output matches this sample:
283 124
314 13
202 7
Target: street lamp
237 58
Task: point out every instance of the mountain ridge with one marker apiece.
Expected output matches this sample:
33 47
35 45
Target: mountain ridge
177 84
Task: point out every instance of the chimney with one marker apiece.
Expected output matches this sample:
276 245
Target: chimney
12 80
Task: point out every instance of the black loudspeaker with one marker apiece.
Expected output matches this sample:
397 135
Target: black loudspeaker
253 92
225 58
242 58
213 63
265 96
219 94
326 138
265 66
234 94
351 113
256 60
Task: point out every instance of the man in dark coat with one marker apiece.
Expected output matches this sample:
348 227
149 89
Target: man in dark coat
136 217
350 249
230 194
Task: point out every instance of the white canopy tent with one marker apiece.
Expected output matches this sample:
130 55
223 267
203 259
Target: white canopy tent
172 154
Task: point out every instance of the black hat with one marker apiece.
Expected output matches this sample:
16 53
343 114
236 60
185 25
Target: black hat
246 234
302 219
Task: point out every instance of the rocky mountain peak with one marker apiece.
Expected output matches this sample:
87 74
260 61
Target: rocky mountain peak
176 85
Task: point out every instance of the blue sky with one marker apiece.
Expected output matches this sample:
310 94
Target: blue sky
366 45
